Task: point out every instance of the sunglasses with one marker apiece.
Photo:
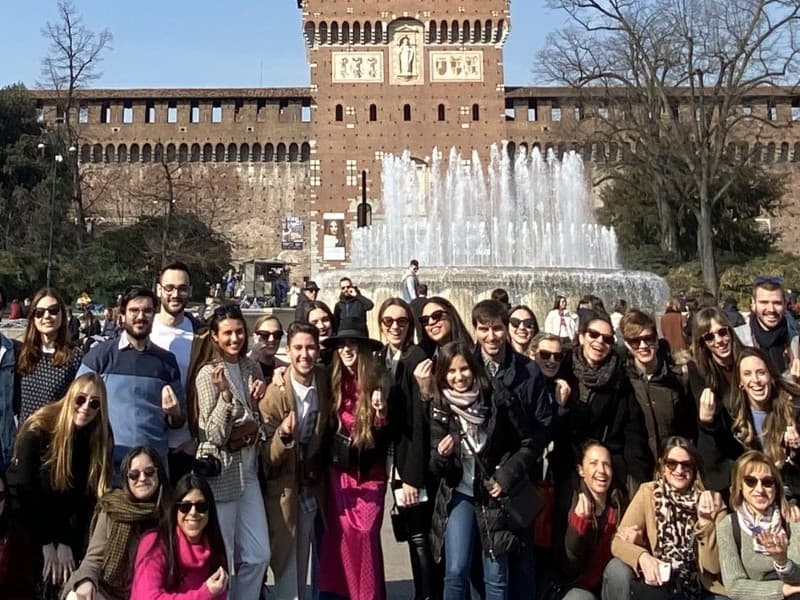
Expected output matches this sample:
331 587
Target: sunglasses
53 310
608 340
148 472
81 399
762 279
766 482
672 465
186 507
524 323
722 333
649 340
547 355
266 336
228 310
389 322
434 317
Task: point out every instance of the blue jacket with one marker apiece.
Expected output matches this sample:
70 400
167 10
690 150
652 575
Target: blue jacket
7 424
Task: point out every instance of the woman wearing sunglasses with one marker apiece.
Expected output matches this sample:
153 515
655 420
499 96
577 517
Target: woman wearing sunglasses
764 413
675 553
61 466
267 336
759 552
522 327
122 517
185 557
47 362
715 349
228 426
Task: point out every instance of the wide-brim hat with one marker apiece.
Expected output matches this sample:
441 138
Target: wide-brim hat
356 331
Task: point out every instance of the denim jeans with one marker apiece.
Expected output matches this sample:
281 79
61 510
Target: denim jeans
460 536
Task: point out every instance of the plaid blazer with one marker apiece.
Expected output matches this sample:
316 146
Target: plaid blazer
214 424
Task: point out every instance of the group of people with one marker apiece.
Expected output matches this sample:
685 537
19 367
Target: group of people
185 459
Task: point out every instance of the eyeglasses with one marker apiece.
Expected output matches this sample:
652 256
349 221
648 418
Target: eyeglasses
233 311
722 333
389 322
762 279
186 507
649 340
147 312
181 289
267 336
148 472
547 355
608 340
53 309
672 465
81 399
434 317
524 323
766 482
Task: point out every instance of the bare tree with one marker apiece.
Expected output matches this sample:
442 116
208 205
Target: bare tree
672 78
72 62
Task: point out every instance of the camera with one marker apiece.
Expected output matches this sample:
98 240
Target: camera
207 466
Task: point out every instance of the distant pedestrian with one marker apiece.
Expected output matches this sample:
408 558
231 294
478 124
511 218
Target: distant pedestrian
310 291
409 286
351 305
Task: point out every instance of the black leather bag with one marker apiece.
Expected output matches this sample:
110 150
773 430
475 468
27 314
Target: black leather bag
340 450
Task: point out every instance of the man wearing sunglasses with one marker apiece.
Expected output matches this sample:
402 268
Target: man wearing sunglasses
351 305
143 381
174 330
769 327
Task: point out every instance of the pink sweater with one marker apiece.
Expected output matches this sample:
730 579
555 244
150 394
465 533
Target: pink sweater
149 575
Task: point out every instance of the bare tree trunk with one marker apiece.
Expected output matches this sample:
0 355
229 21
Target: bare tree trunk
666 220
705 245
168 216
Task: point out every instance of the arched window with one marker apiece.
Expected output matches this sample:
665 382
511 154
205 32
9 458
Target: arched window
334 33
465 32
770 156
356 32
208 153
244 153
379 32
231 153
407 112
109 157
310 34
476 112
122 153
368 33
280 155
443 32
323 33
477 30
454 31
345 33
97 153
219 153
501 28
339 113
86 153
373 112
194 156
432 28
269 153
158 153
487 31
147 153
134 153
305 152
440 113
256 152
183 153
784 156
171 153
293 152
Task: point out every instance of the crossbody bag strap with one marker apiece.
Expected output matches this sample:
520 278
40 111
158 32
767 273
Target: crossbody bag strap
478 459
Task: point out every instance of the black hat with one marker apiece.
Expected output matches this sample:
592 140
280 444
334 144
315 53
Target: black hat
352 329
311 285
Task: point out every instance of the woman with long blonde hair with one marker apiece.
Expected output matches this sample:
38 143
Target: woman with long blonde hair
351 558
61 466
47 362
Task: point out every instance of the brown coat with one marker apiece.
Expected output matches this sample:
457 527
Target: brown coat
282 463
641 513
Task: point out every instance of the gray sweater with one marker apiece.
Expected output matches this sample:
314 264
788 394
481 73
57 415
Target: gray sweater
747 574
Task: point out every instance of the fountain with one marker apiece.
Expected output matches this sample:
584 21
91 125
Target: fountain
524 225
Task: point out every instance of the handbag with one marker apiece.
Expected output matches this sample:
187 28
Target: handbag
341 450
521 503
243 435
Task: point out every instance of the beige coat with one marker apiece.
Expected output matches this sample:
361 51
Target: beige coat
642 513
282 462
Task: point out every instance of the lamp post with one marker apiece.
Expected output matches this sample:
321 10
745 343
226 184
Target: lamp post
57 158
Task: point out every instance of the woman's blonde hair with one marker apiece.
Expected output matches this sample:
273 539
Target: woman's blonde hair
56 420
779 410
744 466
369 379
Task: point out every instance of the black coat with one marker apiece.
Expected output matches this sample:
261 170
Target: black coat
351 308
508 453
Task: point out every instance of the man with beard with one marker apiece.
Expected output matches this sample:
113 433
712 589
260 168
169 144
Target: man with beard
174 329
295 415
310 291
143 381
351 305
768 326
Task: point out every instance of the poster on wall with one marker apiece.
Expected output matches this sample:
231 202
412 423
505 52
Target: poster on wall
292 234
333 236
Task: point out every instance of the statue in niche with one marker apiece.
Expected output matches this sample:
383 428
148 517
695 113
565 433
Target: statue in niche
406 55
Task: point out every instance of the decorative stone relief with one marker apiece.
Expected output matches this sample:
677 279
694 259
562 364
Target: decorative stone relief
455 65
406 50
357 67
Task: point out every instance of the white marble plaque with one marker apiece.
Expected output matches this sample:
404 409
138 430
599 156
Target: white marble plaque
457 65
357 67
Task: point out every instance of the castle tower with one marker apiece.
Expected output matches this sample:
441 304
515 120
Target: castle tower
421 75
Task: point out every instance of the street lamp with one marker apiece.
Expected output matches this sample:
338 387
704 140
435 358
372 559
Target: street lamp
58 158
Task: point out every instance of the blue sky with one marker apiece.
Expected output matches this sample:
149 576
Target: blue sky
198 43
